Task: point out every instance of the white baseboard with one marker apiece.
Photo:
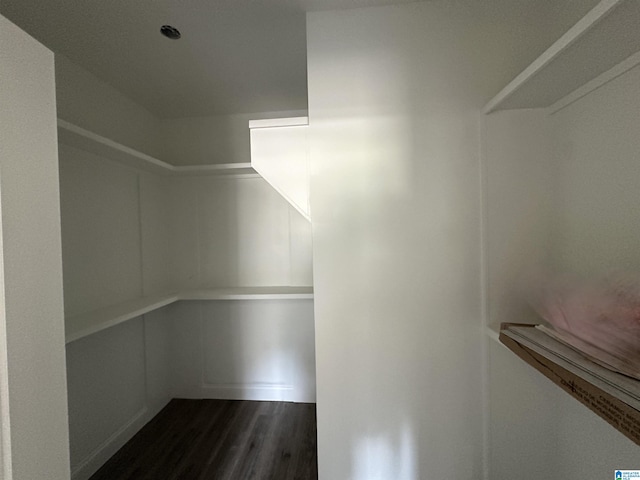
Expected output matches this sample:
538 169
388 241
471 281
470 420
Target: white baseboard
256 392
277 392
92 462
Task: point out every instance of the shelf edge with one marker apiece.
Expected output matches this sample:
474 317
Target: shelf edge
576 382
565 41
140 307
493 334
599 81
79 137
248 293
279 122
112 319
75 136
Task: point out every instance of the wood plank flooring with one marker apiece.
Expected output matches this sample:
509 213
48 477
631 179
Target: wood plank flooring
221 440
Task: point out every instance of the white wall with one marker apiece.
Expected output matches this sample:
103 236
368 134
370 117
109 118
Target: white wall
394 100
155 235
214 139
570 178
101 231
521 182
394 193
596 145
237 232
33 399
243 349
85 100
106 390
240 232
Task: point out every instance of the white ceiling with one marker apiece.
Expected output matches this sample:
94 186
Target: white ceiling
235 56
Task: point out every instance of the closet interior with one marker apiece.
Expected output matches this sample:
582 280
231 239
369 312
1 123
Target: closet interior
180 281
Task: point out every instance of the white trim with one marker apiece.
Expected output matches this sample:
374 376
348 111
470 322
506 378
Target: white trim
241 391
70 134
85 324
279 122
78 137
225 170
99 456
596 83
558 47
6 466
82 325
484 294
493 334
249 293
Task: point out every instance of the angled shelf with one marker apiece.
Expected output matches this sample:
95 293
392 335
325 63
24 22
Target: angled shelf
78 137
83 325
602 45
612 396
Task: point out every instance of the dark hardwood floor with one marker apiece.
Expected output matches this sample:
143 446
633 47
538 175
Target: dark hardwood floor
221 440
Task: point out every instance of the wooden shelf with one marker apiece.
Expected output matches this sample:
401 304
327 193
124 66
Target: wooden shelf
83 325
72 135
612 396
602 45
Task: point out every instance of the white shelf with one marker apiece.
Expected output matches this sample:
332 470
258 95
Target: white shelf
220 170
78 137
492 333
279 122
86 324
249 293
80 326
606 38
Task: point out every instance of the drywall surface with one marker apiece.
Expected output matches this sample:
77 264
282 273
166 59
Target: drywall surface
33 392
214 139
596 145
237 232
155 234
100 231
244 349
521 181
394 140
85 100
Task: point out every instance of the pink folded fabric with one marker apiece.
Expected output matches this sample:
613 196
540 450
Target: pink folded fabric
604 313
